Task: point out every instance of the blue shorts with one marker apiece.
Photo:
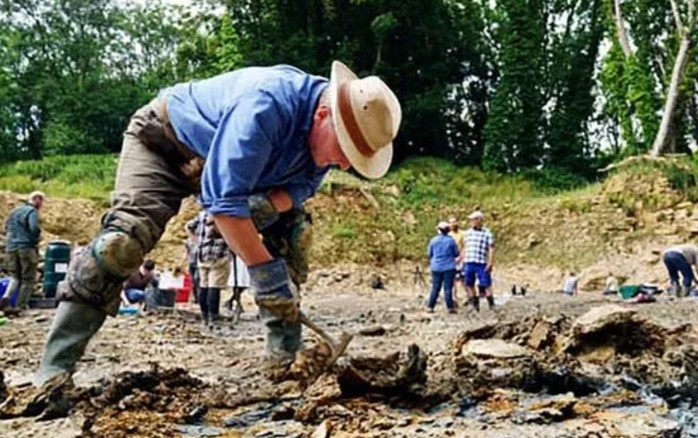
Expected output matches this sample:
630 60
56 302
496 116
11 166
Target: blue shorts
479 270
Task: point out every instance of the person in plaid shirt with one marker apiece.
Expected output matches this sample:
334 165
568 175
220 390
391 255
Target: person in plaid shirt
213 259
478 256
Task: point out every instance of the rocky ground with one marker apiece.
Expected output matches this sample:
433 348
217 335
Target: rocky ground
543 365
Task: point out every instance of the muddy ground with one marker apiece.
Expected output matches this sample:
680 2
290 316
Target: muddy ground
543 365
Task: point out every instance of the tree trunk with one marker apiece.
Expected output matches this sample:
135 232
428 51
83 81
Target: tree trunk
672 96
620 27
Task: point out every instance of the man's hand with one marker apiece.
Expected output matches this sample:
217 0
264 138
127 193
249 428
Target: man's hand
489 267
273 291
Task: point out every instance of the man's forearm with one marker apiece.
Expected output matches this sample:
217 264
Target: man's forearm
243 239
281 200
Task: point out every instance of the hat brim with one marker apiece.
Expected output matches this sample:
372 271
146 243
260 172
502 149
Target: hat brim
372 167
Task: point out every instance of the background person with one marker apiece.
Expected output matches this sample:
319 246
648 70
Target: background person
442 252
571 286
135 286
478 256
681 259
23 231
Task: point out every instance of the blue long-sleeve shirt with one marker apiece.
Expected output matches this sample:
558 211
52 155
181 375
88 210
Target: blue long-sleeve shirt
442 252
22 228
251 126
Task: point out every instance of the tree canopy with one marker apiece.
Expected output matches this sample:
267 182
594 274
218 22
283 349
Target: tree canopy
561 86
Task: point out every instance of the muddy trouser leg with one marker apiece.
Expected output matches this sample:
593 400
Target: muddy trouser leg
28 261
148 192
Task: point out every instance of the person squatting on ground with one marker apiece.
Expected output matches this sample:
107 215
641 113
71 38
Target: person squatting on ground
189 258
571 286
135 286
459 236
442 252
681 259
611 286
478 256
257 142
23 231
213 261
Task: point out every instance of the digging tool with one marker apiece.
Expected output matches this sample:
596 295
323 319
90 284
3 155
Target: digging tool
311 363
338 348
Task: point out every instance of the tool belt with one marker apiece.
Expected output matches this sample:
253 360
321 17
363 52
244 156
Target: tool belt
169 147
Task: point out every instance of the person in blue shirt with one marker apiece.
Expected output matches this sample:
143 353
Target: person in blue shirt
442 251
254 143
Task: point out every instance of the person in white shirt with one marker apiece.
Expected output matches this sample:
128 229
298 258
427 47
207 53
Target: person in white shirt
611 287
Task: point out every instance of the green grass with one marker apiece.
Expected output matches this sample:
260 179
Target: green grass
74 176
394 218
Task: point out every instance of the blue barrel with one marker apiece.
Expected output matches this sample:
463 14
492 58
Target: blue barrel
56 260
4 285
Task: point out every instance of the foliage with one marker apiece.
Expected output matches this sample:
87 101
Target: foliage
85 176
519 86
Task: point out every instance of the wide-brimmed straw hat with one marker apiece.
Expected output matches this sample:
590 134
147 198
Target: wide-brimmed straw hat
367 117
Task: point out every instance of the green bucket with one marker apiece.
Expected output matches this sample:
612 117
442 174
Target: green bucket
629 291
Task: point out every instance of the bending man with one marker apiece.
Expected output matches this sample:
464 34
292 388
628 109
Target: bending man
256 142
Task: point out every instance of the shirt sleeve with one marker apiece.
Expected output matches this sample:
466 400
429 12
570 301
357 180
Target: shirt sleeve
299 192
239 153
33 222
490 238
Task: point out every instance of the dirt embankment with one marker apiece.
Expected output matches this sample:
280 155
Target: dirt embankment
620 226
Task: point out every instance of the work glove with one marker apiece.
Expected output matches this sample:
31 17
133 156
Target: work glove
262 211
279 309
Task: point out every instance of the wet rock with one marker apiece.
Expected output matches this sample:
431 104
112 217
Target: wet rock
196 414
605 332
444 422
494 348
492 363
599 318
322 431
390 375
191 431
373 331
639 426
541 335
259 414
552 409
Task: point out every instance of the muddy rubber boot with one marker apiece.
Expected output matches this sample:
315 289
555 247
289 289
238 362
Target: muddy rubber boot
490 301
475 301
73 326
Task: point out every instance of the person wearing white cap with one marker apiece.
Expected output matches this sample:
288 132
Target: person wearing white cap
442 252
255 143
478 256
